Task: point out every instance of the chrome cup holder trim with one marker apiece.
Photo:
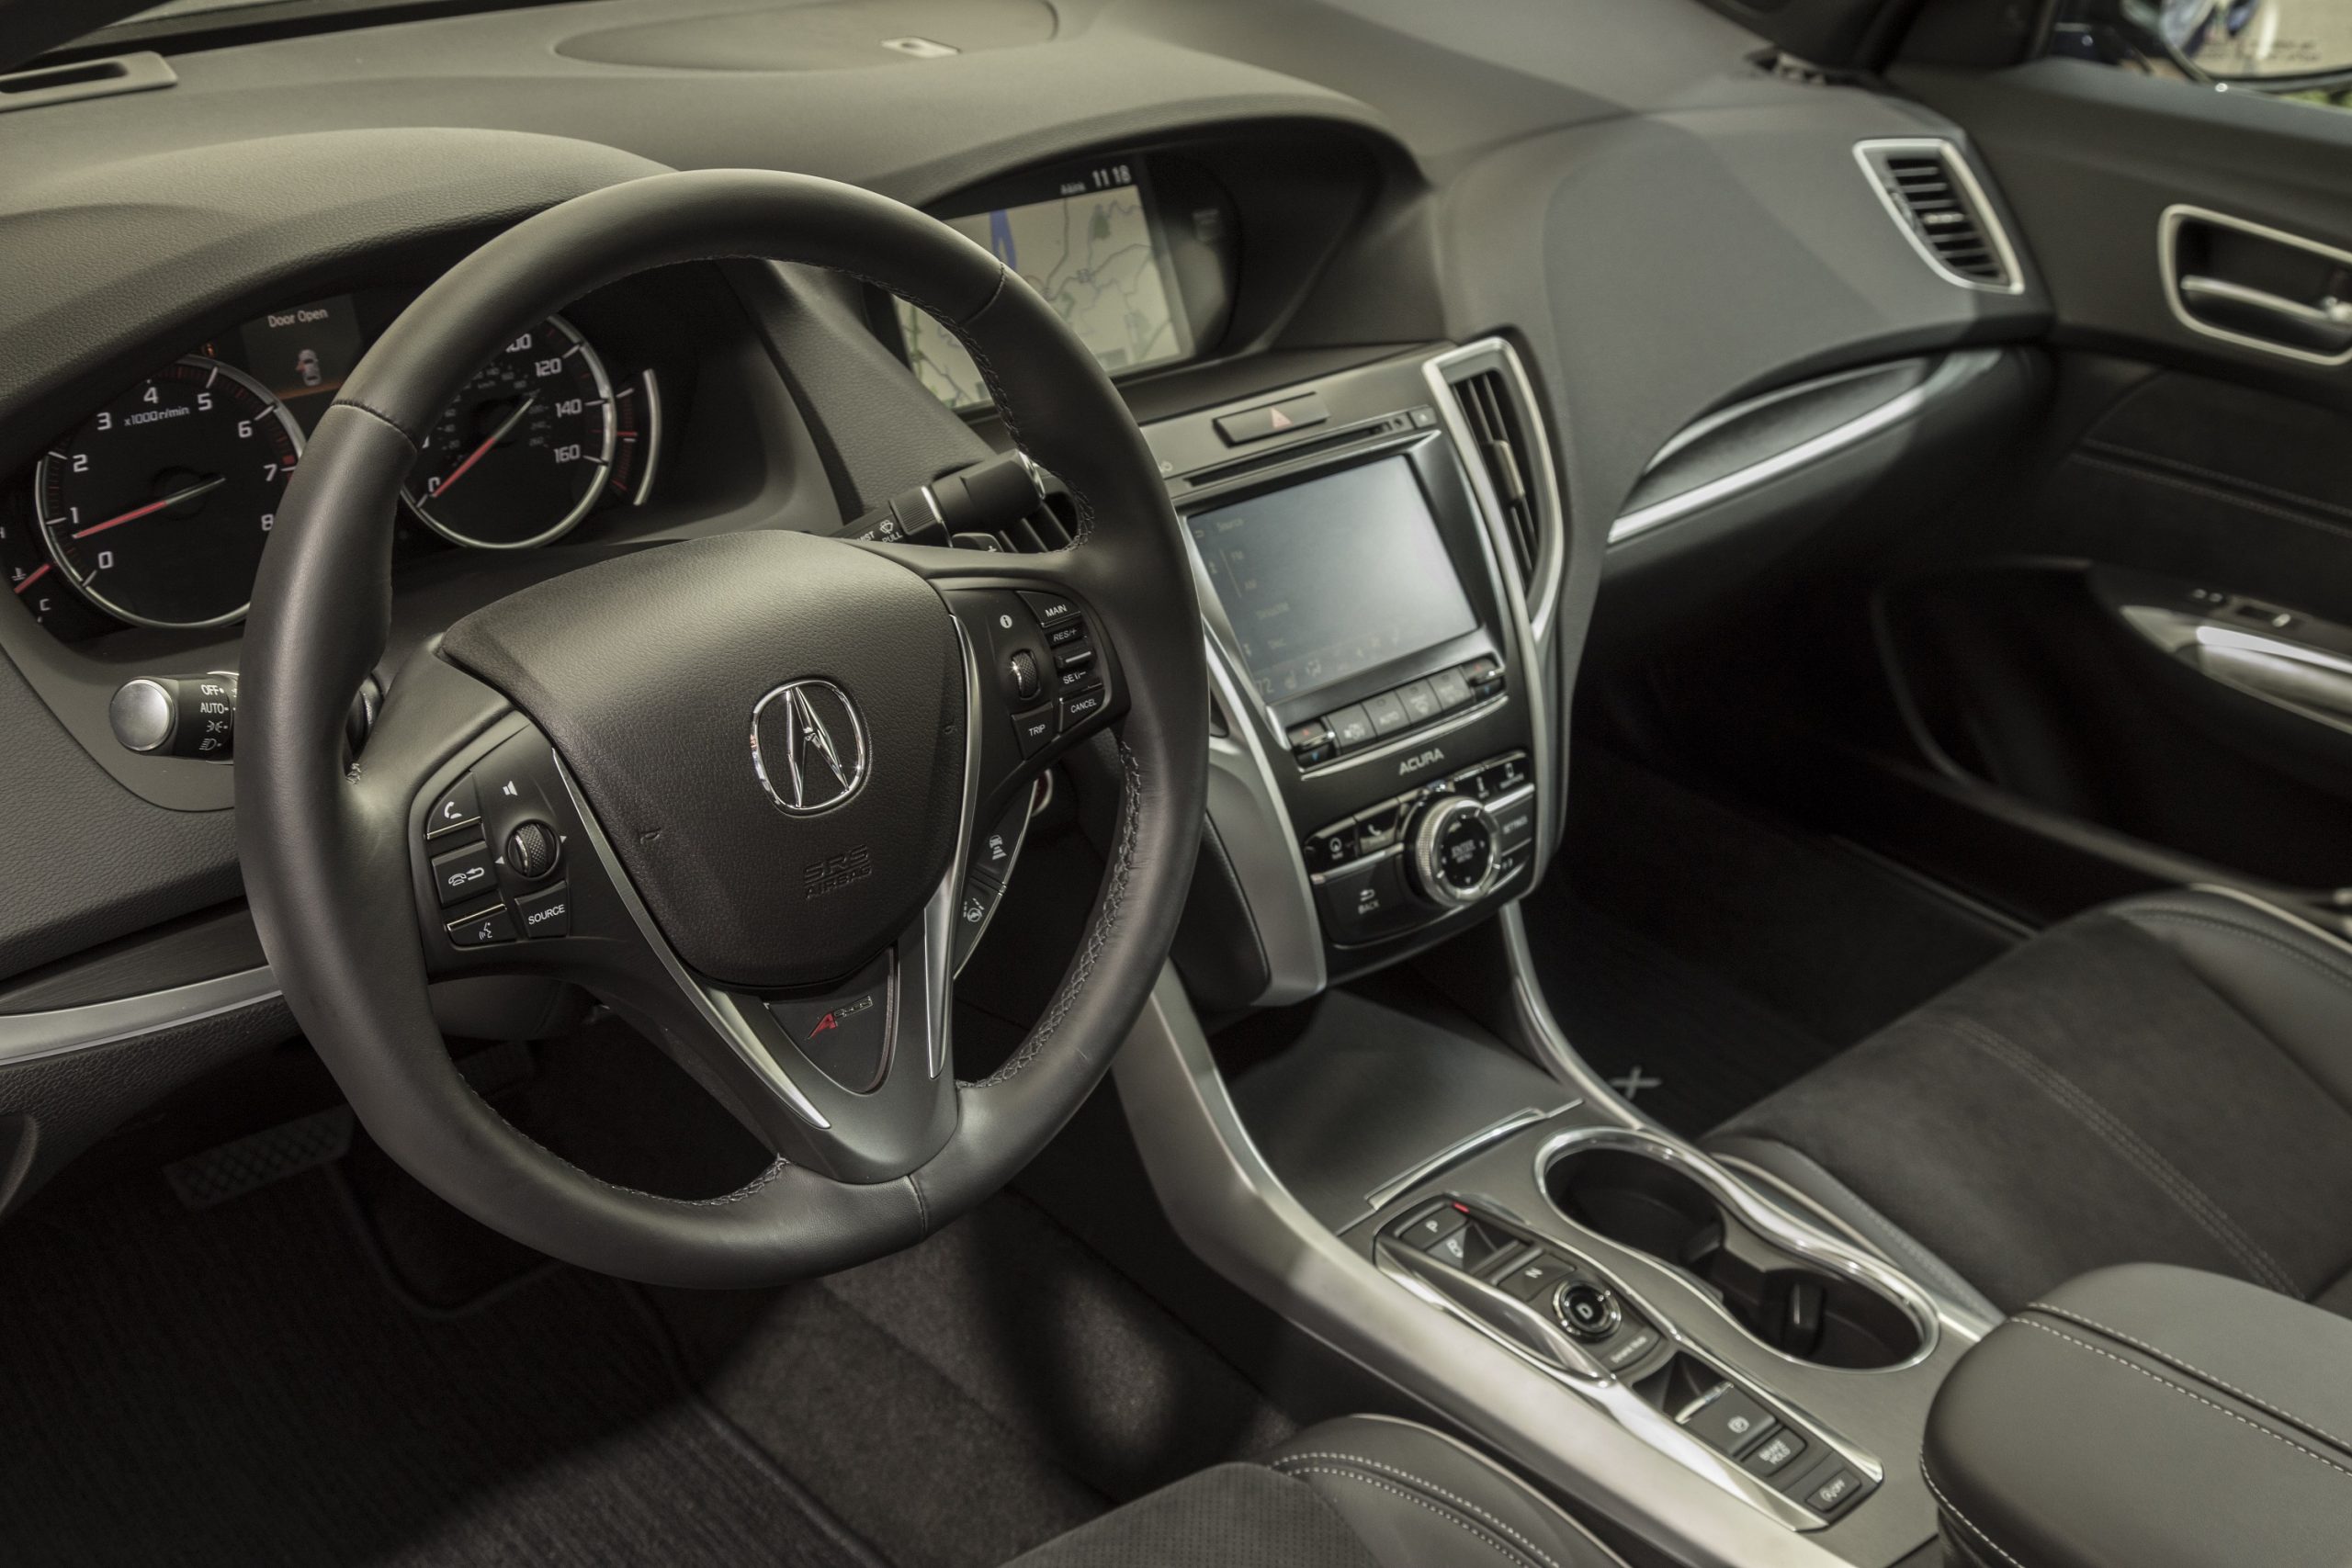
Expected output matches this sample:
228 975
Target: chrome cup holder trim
1776 1224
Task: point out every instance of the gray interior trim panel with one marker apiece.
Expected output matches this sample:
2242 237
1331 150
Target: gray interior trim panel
1954 371
28 1036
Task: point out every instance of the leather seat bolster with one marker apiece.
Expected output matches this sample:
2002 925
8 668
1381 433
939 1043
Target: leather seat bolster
2150 1416
1414 1497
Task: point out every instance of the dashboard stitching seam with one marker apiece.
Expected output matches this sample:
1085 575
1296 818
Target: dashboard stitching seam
2188 1393
1114 902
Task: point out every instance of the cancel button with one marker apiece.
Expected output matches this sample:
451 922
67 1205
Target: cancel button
547 912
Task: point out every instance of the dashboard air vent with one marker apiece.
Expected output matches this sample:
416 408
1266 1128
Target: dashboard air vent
1493 418
1933 194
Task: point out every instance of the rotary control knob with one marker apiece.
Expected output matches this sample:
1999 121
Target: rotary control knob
1587 1311
1452 853
532 850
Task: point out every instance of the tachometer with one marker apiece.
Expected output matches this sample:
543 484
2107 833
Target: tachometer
157 508
522 455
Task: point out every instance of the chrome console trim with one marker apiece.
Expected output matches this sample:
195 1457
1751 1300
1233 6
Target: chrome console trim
1231 1209
1817 1247
1445 1159
31 1036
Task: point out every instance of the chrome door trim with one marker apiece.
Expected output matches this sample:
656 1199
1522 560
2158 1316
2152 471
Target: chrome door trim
31 1036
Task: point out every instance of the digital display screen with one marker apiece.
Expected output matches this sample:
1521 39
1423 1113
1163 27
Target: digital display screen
1088 240
304 350
1328 578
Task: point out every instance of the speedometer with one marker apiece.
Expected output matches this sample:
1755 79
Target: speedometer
157 508
523 453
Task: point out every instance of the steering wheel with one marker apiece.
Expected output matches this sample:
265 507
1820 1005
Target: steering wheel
726 784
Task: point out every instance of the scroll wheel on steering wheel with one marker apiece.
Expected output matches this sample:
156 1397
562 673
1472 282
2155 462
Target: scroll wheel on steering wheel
532 850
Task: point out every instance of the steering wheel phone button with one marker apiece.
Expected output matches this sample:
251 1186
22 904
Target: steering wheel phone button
546 913
462 875
483 928
1078 709
459 806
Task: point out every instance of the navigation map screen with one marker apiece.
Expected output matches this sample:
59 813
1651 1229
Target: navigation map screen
1088 240
1327 579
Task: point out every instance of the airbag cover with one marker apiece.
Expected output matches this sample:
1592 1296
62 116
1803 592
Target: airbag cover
646 670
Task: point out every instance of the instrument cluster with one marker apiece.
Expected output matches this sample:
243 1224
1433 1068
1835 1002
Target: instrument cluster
154 510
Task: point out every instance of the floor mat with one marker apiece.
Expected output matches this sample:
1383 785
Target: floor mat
1702 956
236 1386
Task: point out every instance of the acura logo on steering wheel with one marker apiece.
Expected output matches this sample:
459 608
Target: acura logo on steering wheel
808 745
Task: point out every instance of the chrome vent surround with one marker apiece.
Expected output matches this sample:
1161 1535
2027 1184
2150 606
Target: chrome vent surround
1503 447
1932 192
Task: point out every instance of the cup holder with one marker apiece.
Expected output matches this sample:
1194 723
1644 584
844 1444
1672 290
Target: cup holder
1643 1193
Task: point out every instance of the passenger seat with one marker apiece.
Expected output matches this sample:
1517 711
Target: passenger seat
2165 1080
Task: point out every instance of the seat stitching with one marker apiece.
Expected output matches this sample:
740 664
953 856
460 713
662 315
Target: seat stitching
2208 1215
1403 1474
2086 1321
2304 956
2188 1393
1502 1549
1953 1509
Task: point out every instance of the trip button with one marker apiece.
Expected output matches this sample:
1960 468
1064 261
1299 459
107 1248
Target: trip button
462 873
483 928
1034 730
459 806
546 913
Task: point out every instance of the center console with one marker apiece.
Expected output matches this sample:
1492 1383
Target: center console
1370 564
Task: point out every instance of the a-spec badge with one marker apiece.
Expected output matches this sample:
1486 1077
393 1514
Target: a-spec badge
809 746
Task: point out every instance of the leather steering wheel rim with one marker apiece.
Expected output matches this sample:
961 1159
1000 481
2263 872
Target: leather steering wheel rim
323 839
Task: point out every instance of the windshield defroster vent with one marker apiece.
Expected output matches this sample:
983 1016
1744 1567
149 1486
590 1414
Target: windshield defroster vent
1931 191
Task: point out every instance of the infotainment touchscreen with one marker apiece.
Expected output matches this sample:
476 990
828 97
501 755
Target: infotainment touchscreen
1327 579
1088 238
